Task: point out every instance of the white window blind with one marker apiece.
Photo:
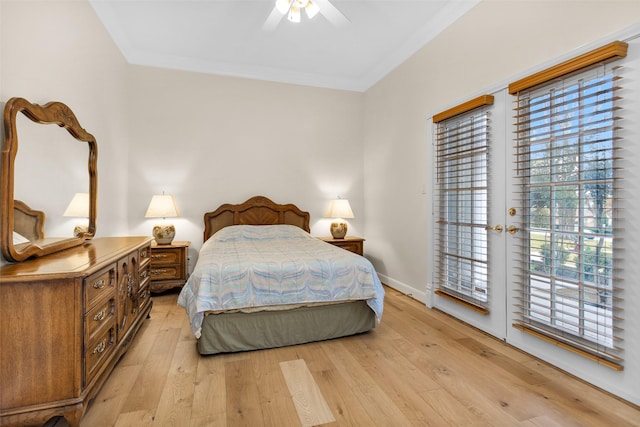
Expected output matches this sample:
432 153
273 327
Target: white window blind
460 206
567 153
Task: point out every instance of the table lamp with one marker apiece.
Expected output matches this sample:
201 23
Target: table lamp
339 209
163 206
79 208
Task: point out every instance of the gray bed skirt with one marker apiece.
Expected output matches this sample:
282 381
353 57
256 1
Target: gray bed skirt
231 332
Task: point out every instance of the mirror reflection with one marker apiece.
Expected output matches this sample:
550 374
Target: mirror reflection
49 180
50 169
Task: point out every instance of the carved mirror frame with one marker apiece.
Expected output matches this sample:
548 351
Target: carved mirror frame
50 113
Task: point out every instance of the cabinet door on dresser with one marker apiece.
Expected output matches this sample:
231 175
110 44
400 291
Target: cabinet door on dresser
144 278
133 288
39 344
127 268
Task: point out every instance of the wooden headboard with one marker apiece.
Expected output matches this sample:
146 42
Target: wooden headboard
28 222
258 210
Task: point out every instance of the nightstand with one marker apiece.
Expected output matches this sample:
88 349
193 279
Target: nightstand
168 265
353 244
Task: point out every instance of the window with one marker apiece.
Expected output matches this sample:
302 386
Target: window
461 202
566 162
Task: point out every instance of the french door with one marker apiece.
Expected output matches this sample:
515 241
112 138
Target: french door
525 213
552 236
495 218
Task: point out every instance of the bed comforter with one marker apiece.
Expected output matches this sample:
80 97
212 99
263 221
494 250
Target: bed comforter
275 267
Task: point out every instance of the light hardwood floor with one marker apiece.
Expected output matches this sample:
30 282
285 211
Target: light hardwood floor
419 367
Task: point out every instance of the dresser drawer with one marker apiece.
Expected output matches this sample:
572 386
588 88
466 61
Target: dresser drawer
145 255
99 285
145 274
144 296
349 243
166 272
165 256
98 352
355 247
99 316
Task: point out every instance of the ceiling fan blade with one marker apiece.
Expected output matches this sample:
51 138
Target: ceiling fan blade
272 20
332 14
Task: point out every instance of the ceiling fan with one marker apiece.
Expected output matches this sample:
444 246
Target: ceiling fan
293 8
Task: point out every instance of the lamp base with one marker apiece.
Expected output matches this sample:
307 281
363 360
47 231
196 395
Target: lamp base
79 230
338 230
164 234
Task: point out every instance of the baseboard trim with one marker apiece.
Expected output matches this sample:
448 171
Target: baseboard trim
404 288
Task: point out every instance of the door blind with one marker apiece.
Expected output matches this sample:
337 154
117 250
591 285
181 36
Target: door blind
460 207
566 162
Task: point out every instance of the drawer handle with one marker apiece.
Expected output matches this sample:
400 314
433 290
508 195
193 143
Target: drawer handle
100 347
100 315
157 271
158 256
99 284
143 254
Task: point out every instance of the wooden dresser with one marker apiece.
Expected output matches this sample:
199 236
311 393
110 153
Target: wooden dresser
65 320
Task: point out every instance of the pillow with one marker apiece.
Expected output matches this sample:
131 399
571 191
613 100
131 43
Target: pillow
259 232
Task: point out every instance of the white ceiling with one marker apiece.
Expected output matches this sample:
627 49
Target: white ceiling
226 37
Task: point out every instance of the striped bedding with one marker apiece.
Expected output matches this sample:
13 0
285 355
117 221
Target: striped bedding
268 267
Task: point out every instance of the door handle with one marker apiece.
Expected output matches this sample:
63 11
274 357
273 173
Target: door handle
497 228
512 229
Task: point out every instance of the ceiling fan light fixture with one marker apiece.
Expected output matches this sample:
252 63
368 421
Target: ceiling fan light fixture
283 6
312 9
292 10
294 14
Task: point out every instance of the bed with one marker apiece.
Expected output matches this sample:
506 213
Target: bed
28 224
262 281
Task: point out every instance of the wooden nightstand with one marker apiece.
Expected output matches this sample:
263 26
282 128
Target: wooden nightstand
168 265
353 244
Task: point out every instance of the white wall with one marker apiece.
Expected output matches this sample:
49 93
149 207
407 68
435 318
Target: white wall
210 140
59 51
493 43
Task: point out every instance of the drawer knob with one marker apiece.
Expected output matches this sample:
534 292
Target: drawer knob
99 284
100 347
100 315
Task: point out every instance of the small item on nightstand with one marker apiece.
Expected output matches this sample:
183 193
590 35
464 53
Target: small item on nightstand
339 209
164 234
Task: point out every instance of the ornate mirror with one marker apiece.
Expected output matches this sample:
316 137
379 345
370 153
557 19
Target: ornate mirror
23 233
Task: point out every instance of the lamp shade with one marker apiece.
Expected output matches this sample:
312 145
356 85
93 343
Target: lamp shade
339 208
79 206
162 206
